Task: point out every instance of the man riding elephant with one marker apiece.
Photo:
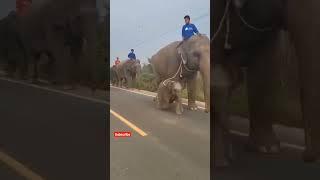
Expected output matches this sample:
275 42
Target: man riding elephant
188 30
195 51
131 55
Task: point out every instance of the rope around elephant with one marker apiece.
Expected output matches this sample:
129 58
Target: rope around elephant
175 75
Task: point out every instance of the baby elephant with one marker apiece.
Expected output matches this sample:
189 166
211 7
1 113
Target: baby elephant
169 92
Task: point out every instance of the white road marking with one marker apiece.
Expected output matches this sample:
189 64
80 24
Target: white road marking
56 91
140 93
284 144
19 167
298 147
105 102
128 123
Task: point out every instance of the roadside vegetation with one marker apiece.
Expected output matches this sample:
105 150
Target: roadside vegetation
146 81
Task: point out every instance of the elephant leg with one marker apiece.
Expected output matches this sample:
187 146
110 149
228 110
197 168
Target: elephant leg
178 103
305 40
191 88
11 67
128 79
34 67
51 68
222 143
179 108
262 137
23 66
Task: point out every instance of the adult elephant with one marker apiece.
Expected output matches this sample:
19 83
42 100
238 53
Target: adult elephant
46 28
128 71
245 33
12 51
113 75
168 63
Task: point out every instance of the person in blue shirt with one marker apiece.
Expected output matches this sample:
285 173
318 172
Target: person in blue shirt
189 29
131 55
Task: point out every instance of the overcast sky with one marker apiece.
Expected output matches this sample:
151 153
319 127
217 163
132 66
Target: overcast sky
147 25
6 6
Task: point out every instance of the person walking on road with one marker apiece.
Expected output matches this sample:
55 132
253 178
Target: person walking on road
131 55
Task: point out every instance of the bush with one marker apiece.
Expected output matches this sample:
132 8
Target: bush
147 82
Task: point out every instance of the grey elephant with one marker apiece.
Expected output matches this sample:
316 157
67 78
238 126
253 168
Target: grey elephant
12 51
167 63
62 30
113 75
127 72
245 34
169 92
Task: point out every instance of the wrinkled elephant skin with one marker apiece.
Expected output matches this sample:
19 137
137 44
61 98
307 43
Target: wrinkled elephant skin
128 71
47 28
254 30
196 52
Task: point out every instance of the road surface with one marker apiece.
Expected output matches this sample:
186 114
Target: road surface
175 147
286 165
49 134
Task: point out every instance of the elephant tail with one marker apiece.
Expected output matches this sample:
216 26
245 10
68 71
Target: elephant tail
149 60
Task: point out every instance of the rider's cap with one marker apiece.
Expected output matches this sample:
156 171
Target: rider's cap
187 16
132 49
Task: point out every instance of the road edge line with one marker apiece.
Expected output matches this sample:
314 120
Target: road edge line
140 93
284 144
128 123
19 167
56 91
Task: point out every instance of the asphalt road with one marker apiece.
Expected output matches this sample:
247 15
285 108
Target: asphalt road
54 135
286 165
175 147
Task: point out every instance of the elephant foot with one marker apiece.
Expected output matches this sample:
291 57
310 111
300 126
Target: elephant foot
9 75
179 110
310 156
68 87
193 106
35 81
23 78
264 144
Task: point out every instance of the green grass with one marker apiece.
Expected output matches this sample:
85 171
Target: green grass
146 81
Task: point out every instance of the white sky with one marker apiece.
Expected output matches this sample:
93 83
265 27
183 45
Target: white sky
148 25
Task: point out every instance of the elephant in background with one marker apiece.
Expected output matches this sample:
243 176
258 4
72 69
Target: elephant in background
169 92
64 30
12 51
113 75
128 71
167 64
245 34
